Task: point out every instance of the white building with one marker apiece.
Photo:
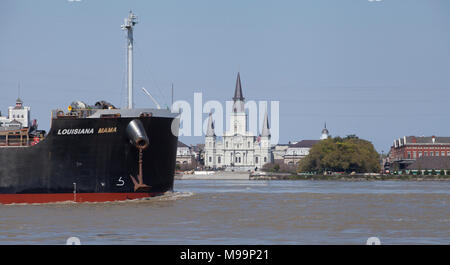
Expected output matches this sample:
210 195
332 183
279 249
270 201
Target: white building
184 154
18 116
238 149
298 150
279 151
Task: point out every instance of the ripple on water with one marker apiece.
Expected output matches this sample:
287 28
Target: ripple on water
224 212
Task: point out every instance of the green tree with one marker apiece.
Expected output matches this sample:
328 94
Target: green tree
276 167
349 154
395 167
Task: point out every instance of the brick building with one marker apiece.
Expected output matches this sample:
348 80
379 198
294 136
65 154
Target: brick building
406 150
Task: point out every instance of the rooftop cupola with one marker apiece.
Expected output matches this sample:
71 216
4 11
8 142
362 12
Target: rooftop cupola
19 103
325 133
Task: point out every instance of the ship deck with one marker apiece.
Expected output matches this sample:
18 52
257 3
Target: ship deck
17 138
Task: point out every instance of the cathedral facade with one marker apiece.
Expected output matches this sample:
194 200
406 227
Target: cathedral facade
238 149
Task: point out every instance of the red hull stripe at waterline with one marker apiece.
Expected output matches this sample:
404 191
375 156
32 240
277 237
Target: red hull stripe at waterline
79 197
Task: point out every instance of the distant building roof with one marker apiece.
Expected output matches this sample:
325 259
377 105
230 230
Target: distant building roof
305 143
198 147
422 140
15 122
431 162
181 144
427 139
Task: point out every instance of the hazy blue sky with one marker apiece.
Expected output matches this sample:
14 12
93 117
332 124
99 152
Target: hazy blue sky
379 70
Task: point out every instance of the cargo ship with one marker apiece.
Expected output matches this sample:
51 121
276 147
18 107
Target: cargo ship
91 153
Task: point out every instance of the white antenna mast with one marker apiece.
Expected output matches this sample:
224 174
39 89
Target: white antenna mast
130 22
152 98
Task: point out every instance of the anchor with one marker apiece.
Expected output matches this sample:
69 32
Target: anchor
139 139
139 184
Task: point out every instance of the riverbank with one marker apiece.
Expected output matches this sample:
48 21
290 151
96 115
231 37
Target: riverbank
219 175
352 177
222 175
225 175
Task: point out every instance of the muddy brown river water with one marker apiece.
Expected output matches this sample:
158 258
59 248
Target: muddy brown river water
246 212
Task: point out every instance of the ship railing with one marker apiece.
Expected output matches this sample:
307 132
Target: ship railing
73 114
18 137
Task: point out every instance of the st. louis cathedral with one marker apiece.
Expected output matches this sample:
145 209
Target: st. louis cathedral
238 149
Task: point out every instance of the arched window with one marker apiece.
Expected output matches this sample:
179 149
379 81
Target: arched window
218 160
265 159
210 159
256 159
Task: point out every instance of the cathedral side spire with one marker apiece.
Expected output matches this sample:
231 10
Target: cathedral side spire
210 131
265 129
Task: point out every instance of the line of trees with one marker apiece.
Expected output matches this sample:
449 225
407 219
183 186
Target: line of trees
349 154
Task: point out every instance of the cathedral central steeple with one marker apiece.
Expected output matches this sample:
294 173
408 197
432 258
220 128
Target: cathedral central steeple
238 98
238 90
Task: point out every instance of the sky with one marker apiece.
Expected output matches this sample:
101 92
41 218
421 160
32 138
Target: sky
380 70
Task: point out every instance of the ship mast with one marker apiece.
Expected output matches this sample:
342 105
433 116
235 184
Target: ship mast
130 22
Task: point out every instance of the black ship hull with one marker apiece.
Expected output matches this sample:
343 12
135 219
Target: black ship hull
90 159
